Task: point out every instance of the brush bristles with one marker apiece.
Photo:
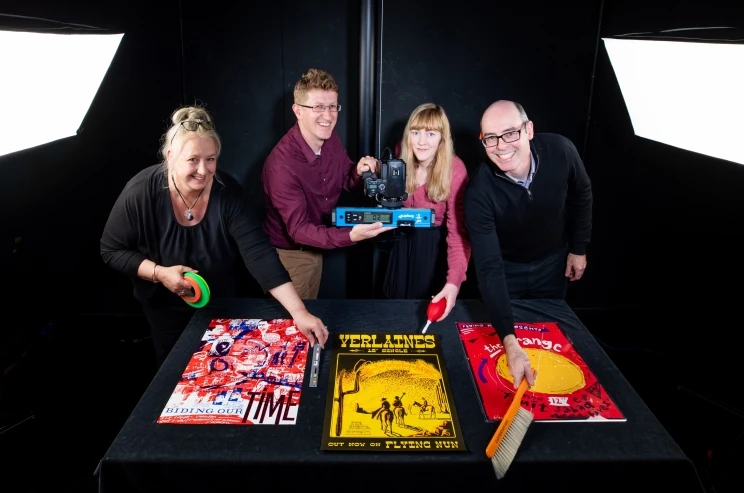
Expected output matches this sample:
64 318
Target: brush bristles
509 446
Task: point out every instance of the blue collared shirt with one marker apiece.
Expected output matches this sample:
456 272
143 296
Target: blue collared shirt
526 183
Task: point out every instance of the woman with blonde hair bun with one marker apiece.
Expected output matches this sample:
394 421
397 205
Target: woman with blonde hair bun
186 215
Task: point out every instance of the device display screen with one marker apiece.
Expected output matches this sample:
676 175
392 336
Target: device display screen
382 217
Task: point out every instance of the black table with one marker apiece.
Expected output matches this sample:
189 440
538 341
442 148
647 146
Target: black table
146 456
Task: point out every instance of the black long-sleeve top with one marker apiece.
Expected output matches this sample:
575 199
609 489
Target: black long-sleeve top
142 225
506 220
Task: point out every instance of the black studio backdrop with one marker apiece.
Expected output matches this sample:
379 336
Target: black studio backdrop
538 53
667 235
665 261
666 221
56 197
242 60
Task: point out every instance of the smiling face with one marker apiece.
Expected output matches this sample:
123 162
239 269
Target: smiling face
502 118
424 143
193 163
316 128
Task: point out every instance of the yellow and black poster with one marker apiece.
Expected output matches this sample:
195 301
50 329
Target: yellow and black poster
391 393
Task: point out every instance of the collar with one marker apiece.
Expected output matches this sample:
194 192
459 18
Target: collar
534 163
307 151
529 175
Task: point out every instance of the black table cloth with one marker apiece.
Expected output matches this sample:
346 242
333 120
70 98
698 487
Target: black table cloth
591 456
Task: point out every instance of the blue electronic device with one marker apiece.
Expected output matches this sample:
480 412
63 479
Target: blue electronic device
402 217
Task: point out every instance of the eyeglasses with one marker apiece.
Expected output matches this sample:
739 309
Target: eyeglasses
320 108
513 136
192 126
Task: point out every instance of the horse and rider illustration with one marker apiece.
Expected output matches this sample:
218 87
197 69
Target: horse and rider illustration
399 411
426 410
388 412
385 415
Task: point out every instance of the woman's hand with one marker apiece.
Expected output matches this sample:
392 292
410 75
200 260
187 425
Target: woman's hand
312 327
172 278
450 292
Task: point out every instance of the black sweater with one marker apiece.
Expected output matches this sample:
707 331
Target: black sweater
142 225
505 219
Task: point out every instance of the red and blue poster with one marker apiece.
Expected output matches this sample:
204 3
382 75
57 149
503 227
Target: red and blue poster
565 388
244 372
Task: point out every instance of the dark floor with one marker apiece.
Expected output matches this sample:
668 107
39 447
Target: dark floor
670 366
68 396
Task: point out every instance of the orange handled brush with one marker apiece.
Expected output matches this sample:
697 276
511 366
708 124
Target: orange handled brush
508 437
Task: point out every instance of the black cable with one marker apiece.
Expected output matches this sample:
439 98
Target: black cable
682 38
66 24
591 86
711 401
44 29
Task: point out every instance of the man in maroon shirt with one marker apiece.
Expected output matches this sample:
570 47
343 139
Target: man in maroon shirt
303 178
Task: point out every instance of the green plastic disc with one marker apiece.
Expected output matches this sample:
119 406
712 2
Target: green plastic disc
203 286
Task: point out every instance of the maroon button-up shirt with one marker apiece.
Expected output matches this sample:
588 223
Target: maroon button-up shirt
302 188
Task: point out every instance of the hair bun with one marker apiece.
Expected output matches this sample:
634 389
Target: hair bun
190 113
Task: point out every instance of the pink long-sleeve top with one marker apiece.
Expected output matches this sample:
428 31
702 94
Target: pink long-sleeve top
452 211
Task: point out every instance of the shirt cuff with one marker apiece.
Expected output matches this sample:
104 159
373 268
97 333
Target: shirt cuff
578 248
342 237
456 278
505 328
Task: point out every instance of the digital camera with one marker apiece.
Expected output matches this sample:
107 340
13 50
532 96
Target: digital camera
389 189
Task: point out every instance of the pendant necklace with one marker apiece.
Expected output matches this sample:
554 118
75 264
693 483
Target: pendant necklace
189 215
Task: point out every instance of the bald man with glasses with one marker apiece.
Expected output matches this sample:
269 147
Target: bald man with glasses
528 211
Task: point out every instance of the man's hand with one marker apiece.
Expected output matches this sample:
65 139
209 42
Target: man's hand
450 292
518 361
367 163
366 231
312 327
172 278
575 266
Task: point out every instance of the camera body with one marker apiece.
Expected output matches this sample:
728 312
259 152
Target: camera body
389 189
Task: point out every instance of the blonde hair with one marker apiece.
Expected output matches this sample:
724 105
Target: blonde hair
313 79
176 134
429 116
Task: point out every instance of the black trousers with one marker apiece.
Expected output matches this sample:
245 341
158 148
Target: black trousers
544 278
166 325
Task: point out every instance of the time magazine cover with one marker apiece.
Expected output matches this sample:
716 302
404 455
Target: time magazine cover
391 393
244 372
565 388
